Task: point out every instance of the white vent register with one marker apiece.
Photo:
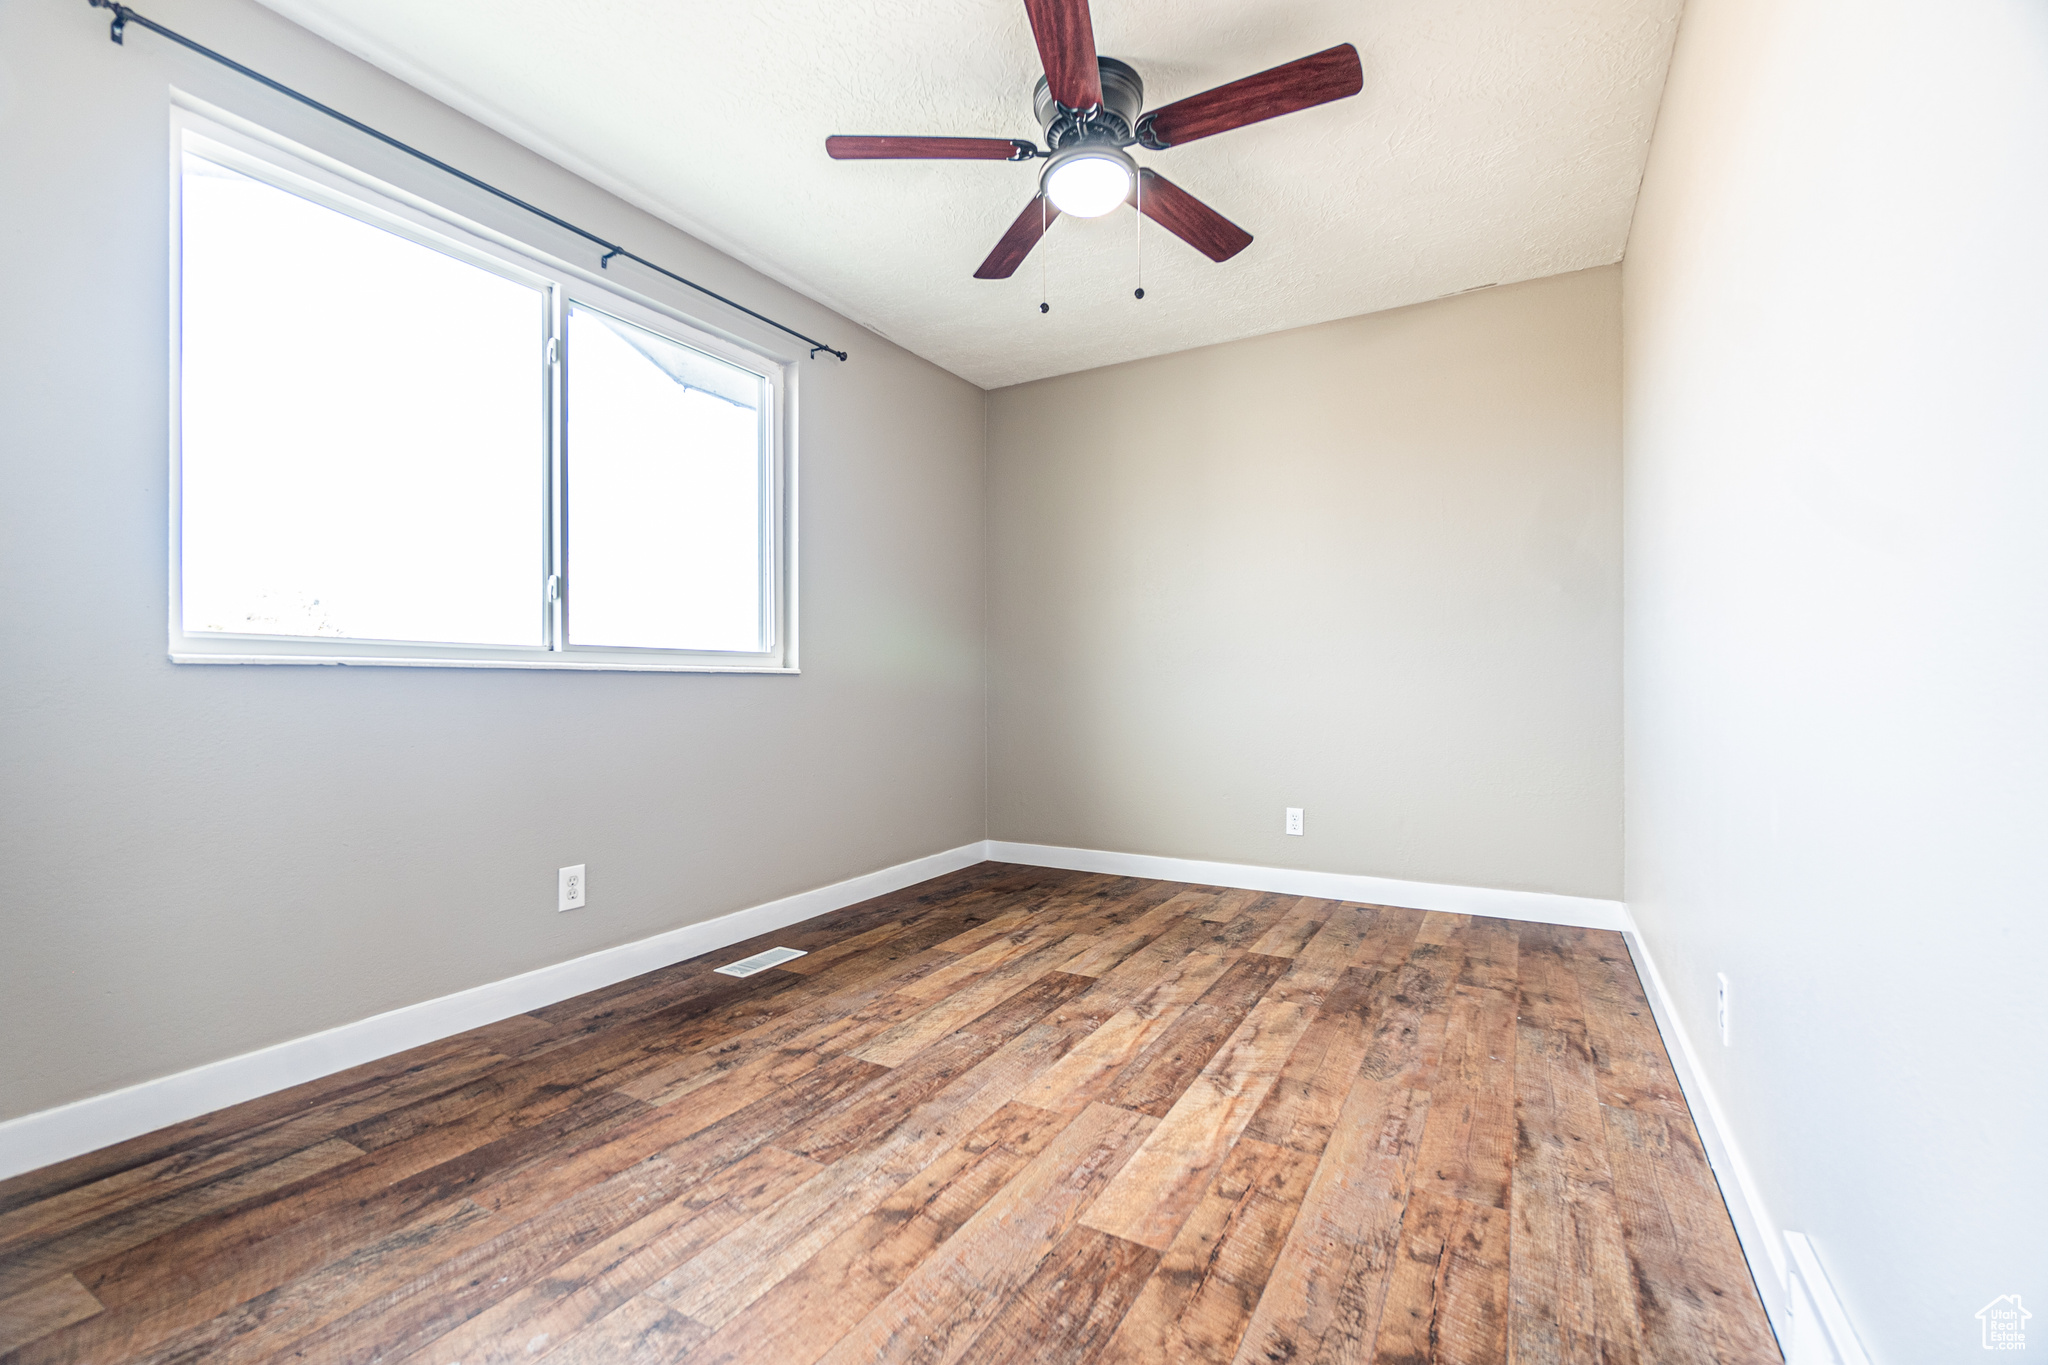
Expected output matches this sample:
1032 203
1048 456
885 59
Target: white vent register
760 962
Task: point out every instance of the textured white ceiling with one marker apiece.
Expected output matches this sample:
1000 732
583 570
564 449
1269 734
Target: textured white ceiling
1496 140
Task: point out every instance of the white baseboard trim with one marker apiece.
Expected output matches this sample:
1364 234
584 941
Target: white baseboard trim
1763 1241
1540 907
38 1139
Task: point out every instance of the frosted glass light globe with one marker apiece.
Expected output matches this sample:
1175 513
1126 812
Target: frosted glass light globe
1090 184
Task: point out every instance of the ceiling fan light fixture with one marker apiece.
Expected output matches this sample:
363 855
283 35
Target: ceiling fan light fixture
1088 180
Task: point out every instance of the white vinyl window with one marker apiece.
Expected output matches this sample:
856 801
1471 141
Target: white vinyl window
401 440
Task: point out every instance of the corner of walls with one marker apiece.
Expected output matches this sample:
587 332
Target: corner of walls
988 477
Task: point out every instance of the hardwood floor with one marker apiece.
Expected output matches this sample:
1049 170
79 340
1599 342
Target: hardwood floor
1012 1115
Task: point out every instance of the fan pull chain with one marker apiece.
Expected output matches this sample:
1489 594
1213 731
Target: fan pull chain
1139 191
1043 306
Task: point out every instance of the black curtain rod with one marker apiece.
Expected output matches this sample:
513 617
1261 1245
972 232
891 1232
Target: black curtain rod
124 16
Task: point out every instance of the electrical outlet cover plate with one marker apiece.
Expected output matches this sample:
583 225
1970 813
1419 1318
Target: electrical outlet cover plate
571 888
1294 819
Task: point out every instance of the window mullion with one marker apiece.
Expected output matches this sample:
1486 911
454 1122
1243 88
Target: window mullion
555 586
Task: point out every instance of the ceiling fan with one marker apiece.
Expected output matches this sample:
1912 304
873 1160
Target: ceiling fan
1089 108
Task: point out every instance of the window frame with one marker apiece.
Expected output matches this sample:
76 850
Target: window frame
323 180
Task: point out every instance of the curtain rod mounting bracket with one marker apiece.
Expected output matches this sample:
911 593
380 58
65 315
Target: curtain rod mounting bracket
119 25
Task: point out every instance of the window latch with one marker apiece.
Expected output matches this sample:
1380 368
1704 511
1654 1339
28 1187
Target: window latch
554 350
554 587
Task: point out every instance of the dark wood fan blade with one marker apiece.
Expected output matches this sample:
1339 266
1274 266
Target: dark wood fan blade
1066 46
1188 218
1333 74
931 148
1018 241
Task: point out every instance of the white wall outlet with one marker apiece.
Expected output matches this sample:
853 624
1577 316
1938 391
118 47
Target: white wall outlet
1294 819
569 888
1721 1006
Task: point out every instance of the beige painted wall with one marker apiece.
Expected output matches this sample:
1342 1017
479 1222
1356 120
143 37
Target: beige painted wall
1369 568
1836 404
204 860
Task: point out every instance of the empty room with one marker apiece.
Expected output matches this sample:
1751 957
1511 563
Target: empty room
1018 681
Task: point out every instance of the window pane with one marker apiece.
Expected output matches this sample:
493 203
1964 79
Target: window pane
364 428
666 492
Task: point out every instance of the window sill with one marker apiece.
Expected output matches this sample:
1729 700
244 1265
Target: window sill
572 665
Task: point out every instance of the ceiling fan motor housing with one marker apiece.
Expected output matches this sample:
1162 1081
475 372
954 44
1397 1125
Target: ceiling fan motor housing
1114 122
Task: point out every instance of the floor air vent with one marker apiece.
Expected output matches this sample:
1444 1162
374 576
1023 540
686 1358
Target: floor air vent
760 962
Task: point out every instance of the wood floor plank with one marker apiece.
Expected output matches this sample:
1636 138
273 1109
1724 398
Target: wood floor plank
261 1255
1066 1312
1695 1298
224 1157
640 1331
1408 1015
934 1315
754 1259
723 1085
270 1323
1156 1191
1447 1293
125 1192
1200 1299
522 1177
1305 1097
996 928
996 977
1226 904
1573 1298
1357 946
806 1311
958 1094
1011 1114
838 1021
124 1228
1633 1069
1338 944
539 1317
43 1308
1119 942
855 1122
1322 1301
1302 922
135 1159
251 1248
436 1302
1468 1146
1468 1149
1081 1075
1157 1077
843 946
534 1086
